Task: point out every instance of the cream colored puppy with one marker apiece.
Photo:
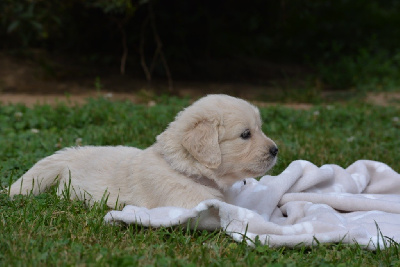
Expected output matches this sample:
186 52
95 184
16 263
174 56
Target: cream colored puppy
210 145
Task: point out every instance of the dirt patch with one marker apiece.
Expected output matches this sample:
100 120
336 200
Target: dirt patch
41 81
28 82
193 91
54 99
384 99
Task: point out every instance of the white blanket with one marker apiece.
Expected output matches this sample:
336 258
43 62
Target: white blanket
304 204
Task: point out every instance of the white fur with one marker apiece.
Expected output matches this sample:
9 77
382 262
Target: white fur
196 158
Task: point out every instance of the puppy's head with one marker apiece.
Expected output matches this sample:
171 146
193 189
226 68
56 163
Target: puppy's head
218 137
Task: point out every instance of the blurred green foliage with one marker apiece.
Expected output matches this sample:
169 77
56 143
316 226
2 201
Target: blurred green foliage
348 43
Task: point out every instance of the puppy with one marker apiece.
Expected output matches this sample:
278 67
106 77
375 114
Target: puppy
211 144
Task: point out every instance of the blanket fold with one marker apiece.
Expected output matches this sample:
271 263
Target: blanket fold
304 204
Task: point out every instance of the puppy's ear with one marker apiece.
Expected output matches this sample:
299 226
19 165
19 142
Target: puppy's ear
202 143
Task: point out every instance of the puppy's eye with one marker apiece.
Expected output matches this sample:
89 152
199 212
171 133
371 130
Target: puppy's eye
246 134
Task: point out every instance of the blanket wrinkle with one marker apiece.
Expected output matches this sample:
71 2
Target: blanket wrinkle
305 204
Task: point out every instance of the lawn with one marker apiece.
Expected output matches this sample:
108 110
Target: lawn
46 230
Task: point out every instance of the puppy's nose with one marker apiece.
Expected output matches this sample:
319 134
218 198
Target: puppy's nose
273 151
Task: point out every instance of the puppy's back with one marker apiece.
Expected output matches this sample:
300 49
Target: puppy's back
71 163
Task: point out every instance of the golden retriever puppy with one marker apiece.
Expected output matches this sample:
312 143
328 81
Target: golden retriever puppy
211 144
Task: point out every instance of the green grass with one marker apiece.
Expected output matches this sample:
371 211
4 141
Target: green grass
46 230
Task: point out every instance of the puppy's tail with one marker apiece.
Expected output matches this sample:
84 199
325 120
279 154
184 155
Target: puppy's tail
41 176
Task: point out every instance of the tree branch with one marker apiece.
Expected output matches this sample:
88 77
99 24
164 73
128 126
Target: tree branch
159 47
147 73
124 48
